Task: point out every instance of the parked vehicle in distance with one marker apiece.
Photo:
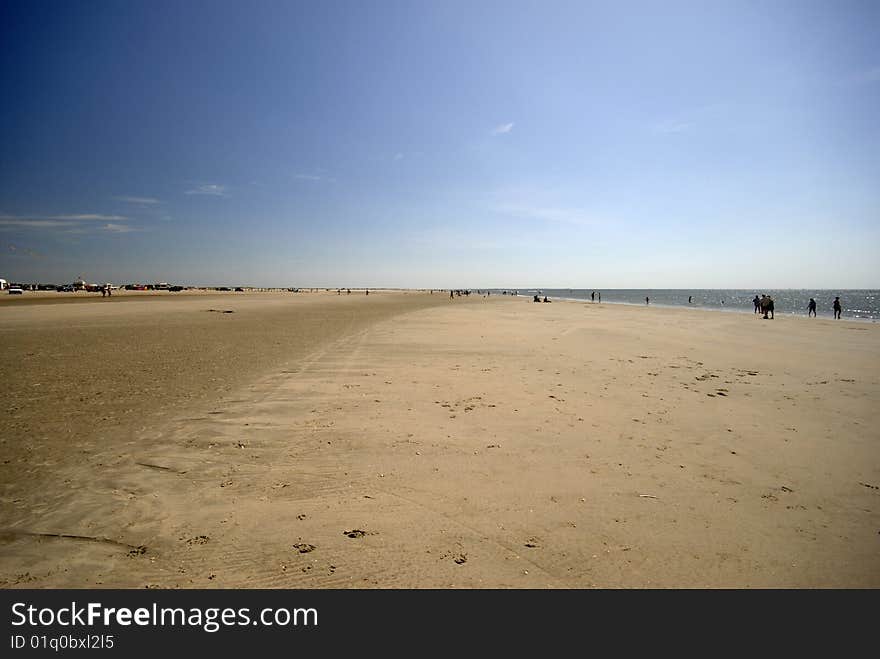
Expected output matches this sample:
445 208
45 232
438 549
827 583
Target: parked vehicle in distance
14 290
223 288
175 289
239 289
68 288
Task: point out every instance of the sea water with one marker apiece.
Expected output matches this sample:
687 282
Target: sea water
858 304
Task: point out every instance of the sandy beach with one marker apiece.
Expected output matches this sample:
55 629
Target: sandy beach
407 440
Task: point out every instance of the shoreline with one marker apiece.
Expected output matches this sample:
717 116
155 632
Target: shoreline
659 305
51 297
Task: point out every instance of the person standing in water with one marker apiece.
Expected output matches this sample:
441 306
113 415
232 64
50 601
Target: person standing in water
811 308
837 308
690 298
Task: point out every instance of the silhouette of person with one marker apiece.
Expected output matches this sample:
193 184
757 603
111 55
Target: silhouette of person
757 303
647 300
811 308
837 308
690 298
593 296
770 307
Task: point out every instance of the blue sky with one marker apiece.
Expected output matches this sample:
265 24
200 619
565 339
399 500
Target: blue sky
442 144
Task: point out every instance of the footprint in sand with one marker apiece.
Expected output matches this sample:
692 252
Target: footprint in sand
198 540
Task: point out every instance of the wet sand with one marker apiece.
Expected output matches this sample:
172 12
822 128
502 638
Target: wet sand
409 440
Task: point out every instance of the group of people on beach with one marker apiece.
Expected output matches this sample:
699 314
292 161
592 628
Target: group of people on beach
765 305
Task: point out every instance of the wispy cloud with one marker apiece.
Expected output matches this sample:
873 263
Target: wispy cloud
210 189
86 217
503 129
119 228
548 214
34 224
318 174
671 127
57 220
143 201
72 222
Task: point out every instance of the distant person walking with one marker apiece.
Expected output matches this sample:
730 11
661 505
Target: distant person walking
451 294
600 297
811 308
647 300
757 303
770 307
837 308
593 296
